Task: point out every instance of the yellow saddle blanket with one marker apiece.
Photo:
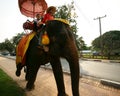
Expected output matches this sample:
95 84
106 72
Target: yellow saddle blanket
22 48
62 20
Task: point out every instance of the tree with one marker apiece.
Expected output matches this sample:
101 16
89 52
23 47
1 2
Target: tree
110 41
10 45
81 44
17 38
7 45
68 12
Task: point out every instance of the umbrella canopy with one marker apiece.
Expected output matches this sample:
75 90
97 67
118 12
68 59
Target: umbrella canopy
30 8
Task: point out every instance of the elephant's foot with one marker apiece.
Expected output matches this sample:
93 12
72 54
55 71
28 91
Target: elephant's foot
63 94
30 88
18 71
67 95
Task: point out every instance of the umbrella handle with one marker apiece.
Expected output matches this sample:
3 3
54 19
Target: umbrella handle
33 8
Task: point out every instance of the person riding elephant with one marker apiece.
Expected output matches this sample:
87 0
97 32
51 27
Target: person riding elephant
35 21
48 16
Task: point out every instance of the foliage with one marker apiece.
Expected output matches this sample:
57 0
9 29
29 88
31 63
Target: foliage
110 43
7 45
68 12
8 87
81 44
17 38
10 45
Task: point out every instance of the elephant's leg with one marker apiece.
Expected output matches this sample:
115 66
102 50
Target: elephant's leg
73 60
74 70
58 74
31 75
18 70
27 73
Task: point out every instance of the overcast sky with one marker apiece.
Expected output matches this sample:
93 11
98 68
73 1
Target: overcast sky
11 19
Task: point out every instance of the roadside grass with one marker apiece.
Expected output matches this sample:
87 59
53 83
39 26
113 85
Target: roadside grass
8 87
100 57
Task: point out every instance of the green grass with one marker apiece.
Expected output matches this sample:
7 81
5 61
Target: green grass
8 87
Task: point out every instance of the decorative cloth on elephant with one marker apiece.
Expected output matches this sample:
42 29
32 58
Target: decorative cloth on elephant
45 39
22 48
62 20
24 44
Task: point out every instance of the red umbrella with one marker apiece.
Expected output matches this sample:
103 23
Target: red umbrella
30 8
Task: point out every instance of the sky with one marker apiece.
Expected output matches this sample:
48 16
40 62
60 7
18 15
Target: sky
11 20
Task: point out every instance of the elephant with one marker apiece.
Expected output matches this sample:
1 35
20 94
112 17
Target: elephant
62 45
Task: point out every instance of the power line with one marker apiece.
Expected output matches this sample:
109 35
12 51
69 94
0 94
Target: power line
81 12
100 29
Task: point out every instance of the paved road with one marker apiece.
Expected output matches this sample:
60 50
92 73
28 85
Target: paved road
45 83
110 71
102 70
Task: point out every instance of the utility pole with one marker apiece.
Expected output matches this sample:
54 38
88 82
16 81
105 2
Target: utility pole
100 29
